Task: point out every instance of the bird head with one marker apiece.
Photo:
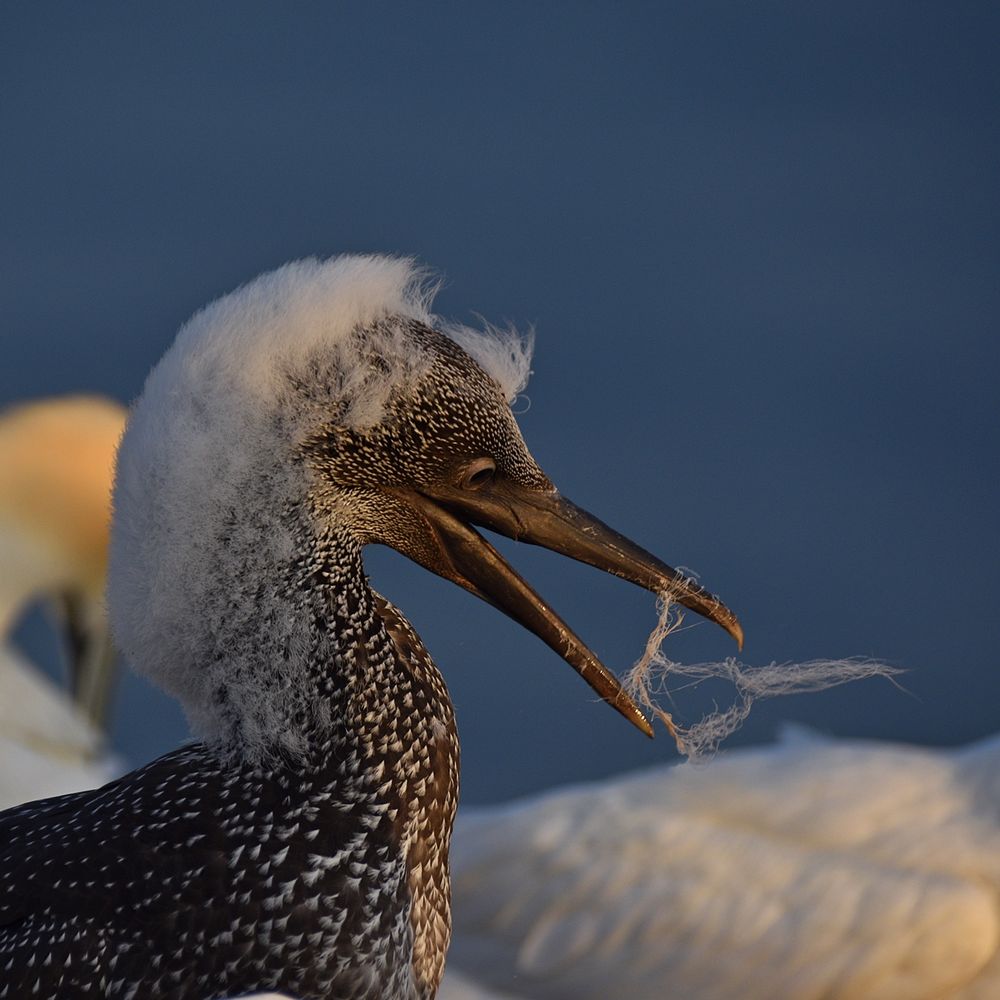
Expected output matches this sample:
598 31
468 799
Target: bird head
448 455
329 386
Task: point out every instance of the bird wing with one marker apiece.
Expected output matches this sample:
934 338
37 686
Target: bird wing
810 869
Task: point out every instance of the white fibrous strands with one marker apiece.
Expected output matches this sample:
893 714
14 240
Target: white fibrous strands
649 682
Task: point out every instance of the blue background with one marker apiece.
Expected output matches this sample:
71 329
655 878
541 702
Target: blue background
759 244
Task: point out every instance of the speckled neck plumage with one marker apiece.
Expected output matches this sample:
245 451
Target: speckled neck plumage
394 730
375 716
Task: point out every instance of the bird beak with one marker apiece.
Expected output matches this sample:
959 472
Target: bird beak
543 517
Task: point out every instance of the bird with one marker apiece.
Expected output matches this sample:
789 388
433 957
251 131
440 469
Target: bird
56 465
300 843
812 867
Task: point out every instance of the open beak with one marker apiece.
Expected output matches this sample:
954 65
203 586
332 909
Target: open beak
543 517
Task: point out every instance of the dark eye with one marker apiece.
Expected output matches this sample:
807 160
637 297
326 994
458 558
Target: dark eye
479 474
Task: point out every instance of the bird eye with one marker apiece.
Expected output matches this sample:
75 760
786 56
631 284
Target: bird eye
479 474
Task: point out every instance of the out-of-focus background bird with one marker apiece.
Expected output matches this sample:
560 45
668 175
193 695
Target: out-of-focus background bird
56 467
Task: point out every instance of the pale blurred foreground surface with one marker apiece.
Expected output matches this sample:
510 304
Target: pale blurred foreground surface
454 987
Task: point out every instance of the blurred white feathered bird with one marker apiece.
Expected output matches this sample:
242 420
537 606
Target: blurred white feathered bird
56 468
811 869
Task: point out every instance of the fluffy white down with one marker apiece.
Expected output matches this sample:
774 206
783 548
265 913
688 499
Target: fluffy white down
811 869
205 467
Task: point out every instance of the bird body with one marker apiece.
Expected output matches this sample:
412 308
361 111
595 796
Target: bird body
287 876
301 845
812 868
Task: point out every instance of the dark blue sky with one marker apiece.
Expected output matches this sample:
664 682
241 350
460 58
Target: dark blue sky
759 244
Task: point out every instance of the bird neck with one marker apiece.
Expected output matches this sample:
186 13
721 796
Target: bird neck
323 664
373 717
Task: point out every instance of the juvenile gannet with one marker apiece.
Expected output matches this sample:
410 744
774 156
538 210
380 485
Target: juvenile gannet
301 845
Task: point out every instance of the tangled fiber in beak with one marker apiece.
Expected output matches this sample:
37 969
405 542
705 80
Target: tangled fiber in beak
650 680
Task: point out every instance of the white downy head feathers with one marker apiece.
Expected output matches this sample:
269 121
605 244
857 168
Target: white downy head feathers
206 464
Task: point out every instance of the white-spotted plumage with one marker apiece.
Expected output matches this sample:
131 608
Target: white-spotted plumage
811 869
